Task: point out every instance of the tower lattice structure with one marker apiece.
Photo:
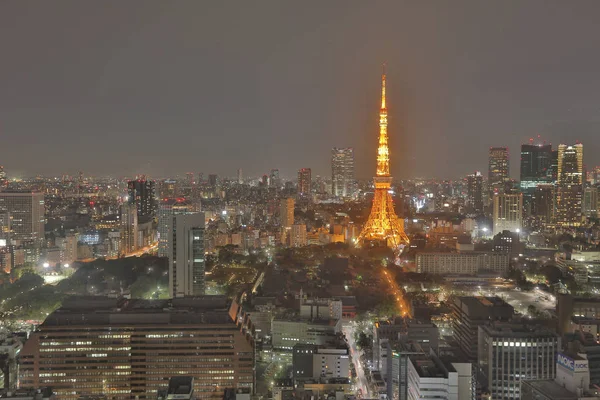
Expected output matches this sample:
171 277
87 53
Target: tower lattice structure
383 225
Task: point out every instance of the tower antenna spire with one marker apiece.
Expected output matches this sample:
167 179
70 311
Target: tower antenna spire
383 86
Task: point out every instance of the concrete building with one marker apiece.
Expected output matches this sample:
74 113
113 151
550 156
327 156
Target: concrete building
68 248
590 202
286 212
10 347
508 212
304 182
287 333
298 235
498 171
468 313
475 193
26 210
141 194
186 255
569 185
312 362
129 228
510 352
312 309
462 263
125 348
342 172
166 209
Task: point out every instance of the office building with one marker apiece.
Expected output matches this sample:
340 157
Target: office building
590 202
312 362
166 209
462 263
498 173
543 202
569 190
298 235
288 333
274 180
126 349
536 166
129 228
304 182
468 313
286 212
511 352
508 212
213 181
186 255
429 377
312 309
68 248
475 193
342 172
26 212
141 193
240 176
3 178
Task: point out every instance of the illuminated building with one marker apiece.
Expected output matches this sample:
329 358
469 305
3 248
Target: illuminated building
3 179
212 180
186 255
569 190
240 176
125 349
508 212
497 169
168 188
537 168
26 210
342 172
304 182
166 209
511 352
286 212
542 205
383 224
141 193
129 228
590 202
298 235
475 193
274 180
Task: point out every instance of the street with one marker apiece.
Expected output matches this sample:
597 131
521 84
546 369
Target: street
361 379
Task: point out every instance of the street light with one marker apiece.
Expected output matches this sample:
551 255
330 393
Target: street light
45 265
66 265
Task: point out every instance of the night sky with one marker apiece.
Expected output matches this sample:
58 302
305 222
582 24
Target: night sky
162 88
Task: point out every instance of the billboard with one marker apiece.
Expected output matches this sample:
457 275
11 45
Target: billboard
571 364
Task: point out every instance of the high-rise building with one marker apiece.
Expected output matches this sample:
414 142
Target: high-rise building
536 165
498 173
286 212
129 228
508 212
186 255
298 236
383 225
125 349
590 202
213 180
3 178
141 193
274 180
543 205
26 210
569 185
342 172
304 182
240 176
468 313
509 353
166 209
475 193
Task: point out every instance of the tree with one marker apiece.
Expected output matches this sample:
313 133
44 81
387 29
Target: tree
364 341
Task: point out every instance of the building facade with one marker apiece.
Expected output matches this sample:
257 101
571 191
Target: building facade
26 212
461 263
304 182
498 172
186 255
141 193
569 184
342 172
475 193
129 228
508 212
166 209
124 349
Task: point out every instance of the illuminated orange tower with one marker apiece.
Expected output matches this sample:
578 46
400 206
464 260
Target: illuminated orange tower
383 225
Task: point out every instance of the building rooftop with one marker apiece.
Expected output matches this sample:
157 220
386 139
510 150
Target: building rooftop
551 389
510 329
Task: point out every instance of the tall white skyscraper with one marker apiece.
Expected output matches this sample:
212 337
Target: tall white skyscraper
186 255
26 210
166 209
129 228
342 172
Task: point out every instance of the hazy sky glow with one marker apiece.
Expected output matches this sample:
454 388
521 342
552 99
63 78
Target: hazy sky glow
113 87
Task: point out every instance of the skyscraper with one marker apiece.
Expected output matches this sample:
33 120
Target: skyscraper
186 255
286 212
590 202
383 225
508 212
498 173
274 180
569 185
166 209
129 228
141 193
26 210
475 193
240 176
536 169
342 172
3 179
304 182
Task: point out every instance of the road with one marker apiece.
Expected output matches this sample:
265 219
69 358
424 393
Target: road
137 253
398 294
361 379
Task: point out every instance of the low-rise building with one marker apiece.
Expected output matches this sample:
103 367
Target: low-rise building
462 263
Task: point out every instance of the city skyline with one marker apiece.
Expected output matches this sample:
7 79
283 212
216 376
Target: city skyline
112 104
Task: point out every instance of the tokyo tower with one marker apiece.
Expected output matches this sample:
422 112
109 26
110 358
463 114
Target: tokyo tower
383 226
